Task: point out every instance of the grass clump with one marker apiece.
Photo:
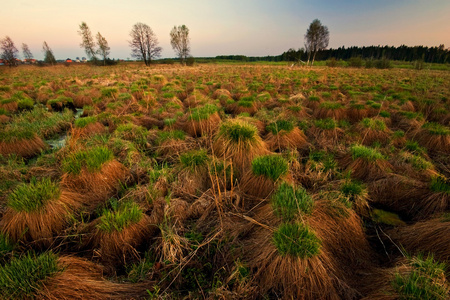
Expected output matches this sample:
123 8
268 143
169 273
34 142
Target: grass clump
92 159
297 240
203 112
288 201
271 166
194 159
366 153
276 127
436 129
121 216
326 124
171 135
83 122
440 185
373 124
352 189
331 105
425 281
34 195
23 276
239 132
13 133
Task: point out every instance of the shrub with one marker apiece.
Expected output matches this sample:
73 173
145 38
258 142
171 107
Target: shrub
297 240
383 63
22 277
121 216
33 196
355 62
271 166
288 201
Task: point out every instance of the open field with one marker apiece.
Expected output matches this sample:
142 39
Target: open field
224 182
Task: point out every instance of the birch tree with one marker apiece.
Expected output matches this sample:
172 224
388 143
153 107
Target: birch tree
179 38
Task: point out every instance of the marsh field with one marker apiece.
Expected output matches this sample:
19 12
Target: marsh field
224 182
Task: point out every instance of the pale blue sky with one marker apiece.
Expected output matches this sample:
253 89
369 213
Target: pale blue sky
225 27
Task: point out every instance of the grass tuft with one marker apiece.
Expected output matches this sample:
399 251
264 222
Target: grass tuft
288 201
440 185
366 153
121 216
194 159
276 127
297 240
271 166
238 132
23 276
425 281
203 112
33 196
436 129
92 159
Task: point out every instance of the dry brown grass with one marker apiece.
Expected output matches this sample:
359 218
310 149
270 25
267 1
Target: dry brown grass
25 147
434 143
241 152
40 227
96 187
89 130
366 170
83 280
294 139
203 127
431 236
408 196
119 247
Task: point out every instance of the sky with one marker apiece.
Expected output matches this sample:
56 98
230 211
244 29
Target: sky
224 27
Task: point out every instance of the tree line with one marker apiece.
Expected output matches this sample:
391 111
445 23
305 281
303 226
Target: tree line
402 53
143 43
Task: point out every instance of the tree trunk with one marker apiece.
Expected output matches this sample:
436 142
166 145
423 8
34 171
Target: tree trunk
314 57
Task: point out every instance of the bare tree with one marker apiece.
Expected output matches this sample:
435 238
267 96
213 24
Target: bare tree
10 51
26 52
48 54
87 41
103 48
144 43
179 38
317 37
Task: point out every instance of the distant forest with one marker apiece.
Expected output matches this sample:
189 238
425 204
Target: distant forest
402 53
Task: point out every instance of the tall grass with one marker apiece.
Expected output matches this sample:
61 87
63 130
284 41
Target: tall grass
34 195
239 132
23 276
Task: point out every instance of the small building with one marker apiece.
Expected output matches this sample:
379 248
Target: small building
68 60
